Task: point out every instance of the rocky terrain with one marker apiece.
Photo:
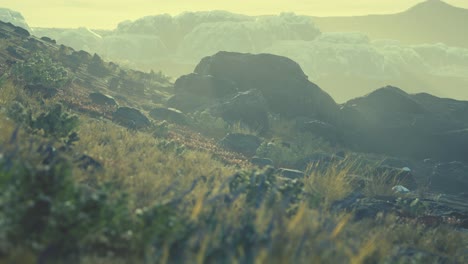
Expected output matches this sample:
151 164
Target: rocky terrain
347 58
245 159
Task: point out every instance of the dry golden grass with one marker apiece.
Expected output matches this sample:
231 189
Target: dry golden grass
135 160
137 164
331 184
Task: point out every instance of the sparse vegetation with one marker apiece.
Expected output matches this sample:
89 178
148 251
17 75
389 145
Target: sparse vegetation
40 70
168 194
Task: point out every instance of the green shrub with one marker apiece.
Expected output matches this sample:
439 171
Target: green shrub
265 186
43 209
56 122
40 70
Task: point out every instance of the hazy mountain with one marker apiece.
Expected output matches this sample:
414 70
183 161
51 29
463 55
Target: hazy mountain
349 64
432 21
8 15
78 38
345 64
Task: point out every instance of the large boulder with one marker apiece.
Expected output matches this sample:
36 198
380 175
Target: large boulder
102 99
242 143
195 91
249 108
131 118
169 114
418 126
284 85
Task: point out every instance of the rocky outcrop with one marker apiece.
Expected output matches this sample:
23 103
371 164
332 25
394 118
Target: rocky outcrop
131 118
102 99
10 16
246 88
284 85
195 91
393 122
169 114
249 108
242 143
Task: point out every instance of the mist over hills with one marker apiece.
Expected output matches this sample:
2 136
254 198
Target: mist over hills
419 50
431 21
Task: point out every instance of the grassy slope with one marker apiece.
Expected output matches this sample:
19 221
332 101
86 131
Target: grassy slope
181 207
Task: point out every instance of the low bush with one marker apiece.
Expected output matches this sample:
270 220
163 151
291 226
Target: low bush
40 70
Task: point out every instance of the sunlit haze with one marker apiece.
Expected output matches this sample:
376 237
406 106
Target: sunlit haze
108 13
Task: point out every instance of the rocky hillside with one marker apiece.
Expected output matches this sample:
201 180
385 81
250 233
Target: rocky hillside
257 164
345 64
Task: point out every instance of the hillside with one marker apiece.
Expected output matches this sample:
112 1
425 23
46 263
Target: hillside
97 166
431 21
345 64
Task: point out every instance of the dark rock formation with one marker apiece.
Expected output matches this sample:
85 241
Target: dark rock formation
102 99
131 118
249 108
418 126
282 82
195 91
169 114
242 143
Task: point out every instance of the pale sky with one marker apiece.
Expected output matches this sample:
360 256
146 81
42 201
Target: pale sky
108 13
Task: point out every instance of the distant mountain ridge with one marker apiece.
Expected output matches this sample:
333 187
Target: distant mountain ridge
432 21
404 50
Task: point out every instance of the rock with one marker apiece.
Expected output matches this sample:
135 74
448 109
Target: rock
395 123
261 162
195 91
188 103
400 189
49 40
450 178
169 114
248 107
88 163
284 85
13 17
242 143
428 212
204 85
322 129
102 99
130 118
290 174
364 207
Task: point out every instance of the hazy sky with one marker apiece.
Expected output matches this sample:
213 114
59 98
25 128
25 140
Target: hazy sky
108 13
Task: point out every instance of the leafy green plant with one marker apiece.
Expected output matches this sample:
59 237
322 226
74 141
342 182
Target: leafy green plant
265 186
45 210
56 122
40 70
